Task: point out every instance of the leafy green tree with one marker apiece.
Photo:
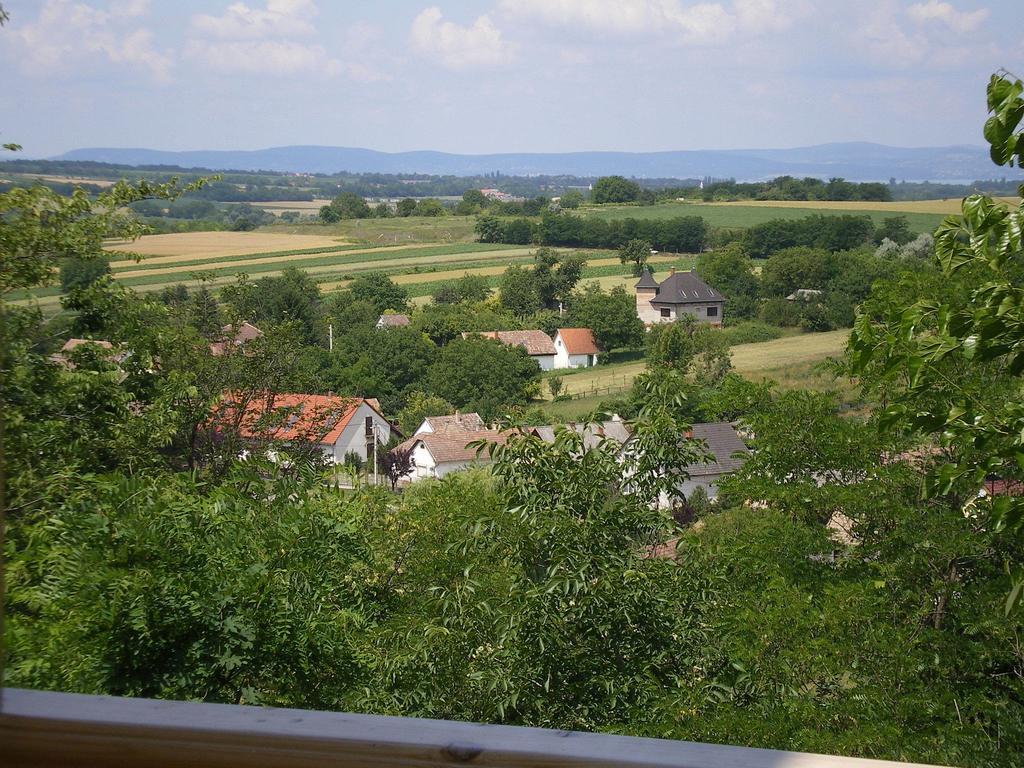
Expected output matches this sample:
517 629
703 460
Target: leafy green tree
489 229
349 205
420 405
212 615
615 189
483 375
610 315
405 207
444 322
635 252
378 289
571 199
931 339
81 273
472 288
429 206
555 384
730 271
293 296
896 229
518 291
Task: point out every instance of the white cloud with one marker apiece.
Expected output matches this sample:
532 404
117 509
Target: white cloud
67 33
262 40
459 47
278 18
945 13
705 23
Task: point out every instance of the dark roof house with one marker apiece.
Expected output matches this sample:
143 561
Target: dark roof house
678 294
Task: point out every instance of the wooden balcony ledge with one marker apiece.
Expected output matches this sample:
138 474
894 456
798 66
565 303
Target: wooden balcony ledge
62 729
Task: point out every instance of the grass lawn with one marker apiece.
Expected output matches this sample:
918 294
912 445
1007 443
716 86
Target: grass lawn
792 361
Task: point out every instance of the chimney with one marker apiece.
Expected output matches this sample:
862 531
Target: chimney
458 416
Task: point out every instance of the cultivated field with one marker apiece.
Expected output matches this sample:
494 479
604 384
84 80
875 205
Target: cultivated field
942 207
302 206
747 214
203 245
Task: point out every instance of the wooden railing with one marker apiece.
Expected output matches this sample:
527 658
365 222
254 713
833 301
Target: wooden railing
62 729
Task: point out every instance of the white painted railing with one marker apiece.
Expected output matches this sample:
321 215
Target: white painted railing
61 729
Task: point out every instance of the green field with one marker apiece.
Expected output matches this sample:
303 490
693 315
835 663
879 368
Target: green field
740 216
790 361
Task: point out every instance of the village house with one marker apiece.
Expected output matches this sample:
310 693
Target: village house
727 453
457 422
681 293
537 344
436 454
593 432
232 337
392 321
339 425
104 349
575 348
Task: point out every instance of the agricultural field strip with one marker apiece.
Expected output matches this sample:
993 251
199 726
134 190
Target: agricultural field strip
746 359
262 264
407 265
595 268
607 276
209 244
943 207
742 215
417 283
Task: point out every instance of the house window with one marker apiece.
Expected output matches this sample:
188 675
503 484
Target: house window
712 311
666 312
368 426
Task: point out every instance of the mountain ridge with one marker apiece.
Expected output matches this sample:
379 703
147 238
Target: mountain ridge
855 161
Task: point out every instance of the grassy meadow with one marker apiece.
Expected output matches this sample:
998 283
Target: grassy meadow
791 362
742 215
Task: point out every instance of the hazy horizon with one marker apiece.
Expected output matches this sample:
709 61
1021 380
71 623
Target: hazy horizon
501 76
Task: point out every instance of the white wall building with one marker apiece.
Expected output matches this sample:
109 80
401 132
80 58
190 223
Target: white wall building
575 348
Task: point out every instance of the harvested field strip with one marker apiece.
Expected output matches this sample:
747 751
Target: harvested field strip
213 244
172 263
302 260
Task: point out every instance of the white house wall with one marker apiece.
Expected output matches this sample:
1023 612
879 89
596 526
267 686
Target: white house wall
546 362
353 437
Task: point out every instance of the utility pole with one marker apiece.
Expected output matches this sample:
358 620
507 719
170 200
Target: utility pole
330 337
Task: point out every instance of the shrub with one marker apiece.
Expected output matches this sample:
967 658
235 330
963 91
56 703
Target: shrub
751 332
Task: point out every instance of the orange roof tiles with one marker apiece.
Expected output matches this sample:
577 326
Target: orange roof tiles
579 341
320 418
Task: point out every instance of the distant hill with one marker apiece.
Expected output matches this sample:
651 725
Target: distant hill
857 161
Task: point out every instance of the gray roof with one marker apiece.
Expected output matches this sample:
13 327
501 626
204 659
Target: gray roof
685 288
592 433
647 280
722 441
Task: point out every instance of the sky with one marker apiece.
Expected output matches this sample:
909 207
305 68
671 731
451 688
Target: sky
500 75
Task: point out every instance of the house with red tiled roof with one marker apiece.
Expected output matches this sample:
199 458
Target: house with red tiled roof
537 344
232 336
339 425
575 348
